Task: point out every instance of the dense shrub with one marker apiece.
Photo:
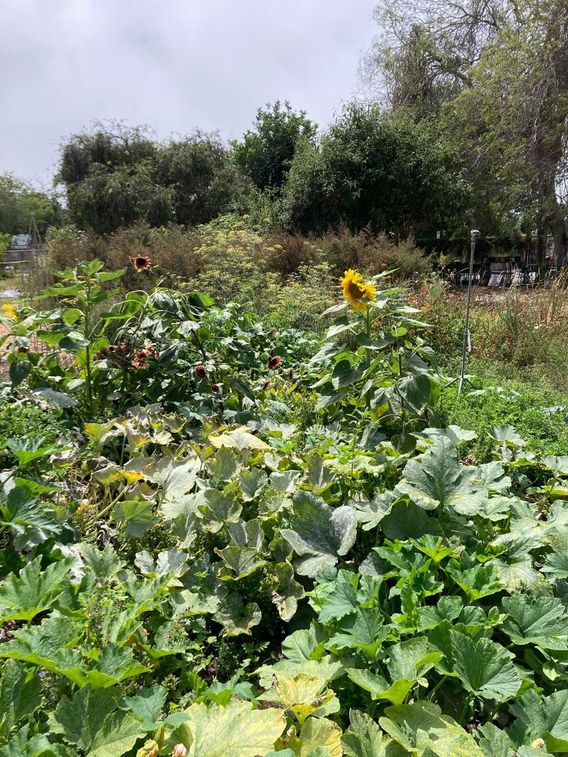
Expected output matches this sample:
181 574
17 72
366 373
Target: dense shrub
237 260
373 169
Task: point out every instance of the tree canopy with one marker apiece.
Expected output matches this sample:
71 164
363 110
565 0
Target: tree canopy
373 169
19 201
116 176
266 152
494 75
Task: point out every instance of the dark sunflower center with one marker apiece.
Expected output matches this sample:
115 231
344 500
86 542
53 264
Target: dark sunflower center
355 291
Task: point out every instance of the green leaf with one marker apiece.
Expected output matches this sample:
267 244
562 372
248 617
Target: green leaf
239 438
337 598
114 665
33 590
411 659
101 563
287 591
542 621
379 688
506 434
240 562
48 646
477 582
30 522
494 742
485 667
447 608
370 514
544 717
251 482
19 694
423 730
19 371
232 731
119 733
301 695
80 718
147 706
318 533
24 744
408 662
364 738
362 630
416 391
407 521
238 617
436 479
302 645
137 514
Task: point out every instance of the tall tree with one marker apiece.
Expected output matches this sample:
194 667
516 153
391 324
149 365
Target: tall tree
496 72
266 152
376 170
115 176
202 177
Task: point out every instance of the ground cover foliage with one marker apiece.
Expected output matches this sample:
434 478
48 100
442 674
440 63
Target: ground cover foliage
231 539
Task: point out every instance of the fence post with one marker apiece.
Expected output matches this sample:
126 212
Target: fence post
466 335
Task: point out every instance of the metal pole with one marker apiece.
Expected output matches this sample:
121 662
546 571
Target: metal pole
466 336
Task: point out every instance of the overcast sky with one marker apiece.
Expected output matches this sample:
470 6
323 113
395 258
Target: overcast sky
172 64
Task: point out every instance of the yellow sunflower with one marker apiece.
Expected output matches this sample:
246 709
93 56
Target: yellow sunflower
357 292
10 311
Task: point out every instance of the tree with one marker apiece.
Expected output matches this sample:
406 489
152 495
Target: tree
202 177
104 150
496 73
425 49
376 170
266 153
19 201
116 176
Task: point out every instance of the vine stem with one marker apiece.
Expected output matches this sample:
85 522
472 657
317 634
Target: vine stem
105 509
440 683
464 709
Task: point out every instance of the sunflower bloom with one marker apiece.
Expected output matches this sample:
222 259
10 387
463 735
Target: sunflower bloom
141 263
357 292
10 311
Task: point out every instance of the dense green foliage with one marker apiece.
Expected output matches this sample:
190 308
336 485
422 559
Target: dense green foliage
373 169
493 76
115 176
266 153
19 201
369 169
240 540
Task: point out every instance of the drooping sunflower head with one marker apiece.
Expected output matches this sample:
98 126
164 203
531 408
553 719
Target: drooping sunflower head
357 292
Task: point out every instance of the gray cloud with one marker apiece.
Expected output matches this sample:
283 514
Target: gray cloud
172 64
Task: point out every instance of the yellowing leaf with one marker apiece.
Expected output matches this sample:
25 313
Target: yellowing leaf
239 438
232 731
302 695
319 732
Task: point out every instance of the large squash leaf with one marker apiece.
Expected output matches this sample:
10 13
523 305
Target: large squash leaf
232 731
33 590
318 533
485 667
436 479
364 738
542 621
421 729
543 717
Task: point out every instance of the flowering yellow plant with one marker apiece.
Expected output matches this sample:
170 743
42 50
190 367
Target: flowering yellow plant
10 311
357 292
